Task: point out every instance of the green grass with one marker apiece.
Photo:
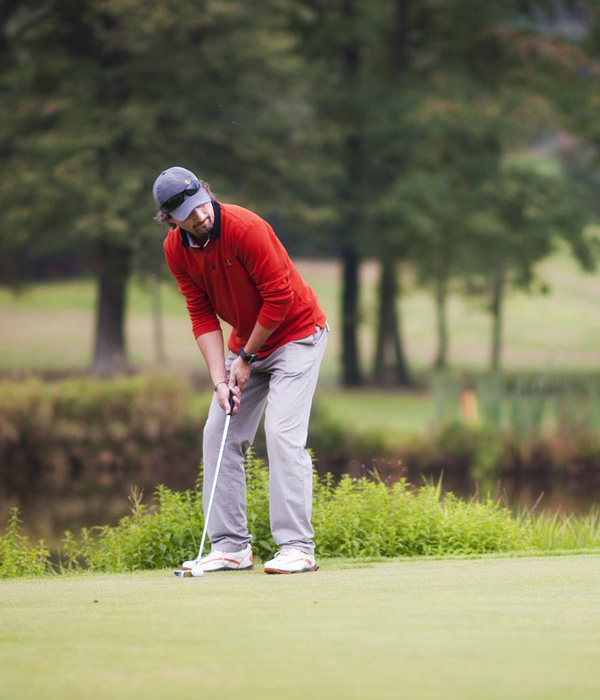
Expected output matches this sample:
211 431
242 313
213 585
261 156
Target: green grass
51 326
392 413
493 628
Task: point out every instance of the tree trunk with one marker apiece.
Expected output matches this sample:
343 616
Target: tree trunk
400 28
114 265
391 366
351 373
441 295
498 284
390 361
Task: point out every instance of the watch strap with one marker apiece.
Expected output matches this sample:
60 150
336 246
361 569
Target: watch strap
247 357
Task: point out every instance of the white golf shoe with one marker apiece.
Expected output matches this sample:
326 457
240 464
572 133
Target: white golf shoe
290 561
218 560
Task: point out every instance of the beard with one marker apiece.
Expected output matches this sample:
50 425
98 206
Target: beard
202 229
201 232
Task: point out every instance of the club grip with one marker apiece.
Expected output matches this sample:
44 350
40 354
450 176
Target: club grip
231 402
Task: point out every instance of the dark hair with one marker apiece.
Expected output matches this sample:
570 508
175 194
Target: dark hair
162 217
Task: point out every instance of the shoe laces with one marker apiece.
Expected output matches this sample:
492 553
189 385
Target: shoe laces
287 553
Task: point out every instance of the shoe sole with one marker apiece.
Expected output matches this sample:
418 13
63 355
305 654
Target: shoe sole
279 571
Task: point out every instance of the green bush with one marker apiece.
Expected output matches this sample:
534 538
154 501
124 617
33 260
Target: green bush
154 538
363 517
168 532
17 556
353 518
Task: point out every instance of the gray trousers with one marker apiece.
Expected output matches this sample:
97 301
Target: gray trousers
284 383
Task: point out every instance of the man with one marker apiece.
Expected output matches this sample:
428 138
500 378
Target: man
228 263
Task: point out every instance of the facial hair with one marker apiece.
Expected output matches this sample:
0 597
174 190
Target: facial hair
201 232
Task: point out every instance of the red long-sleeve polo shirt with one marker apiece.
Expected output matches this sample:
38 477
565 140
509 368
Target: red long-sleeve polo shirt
243 275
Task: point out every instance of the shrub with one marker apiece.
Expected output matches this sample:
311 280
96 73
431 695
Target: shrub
362 517
354 518
17 556
150 538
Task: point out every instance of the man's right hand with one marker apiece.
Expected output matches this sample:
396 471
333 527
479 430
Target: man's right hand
239 373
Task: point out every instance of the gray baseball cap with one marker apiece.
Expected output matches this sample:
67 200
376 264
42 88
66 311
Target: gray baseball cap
179 181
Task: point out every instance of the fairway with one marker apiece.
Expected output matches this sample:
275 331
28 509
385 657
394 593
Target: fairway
483 628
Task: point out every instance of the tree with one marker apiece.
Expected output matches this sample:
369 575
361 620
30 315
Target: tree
529 213
463 95
104 94
535 203
335 38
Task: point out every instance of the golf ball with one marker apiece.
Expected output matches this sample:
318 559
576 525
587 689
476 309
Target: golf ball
197 571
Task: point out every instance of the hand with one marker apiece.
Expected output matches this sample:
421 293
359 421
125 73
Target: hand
223 393
239 373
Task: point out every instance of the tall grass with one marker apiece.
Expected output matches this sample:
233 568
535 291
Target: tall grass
562 532
546 424
356 517
19 557
529 405
525 403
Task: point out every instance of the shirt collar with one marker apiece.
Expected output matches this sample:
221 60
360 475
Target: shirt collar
188 242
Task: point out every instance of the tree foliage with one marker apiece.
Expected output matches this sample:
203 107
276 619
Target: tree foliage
104 94
389 130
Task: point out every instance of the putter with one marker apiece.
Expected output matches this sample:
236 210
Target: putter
186 573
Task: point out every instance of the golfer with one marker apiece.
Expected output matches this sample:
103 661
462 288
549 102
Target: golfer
229 264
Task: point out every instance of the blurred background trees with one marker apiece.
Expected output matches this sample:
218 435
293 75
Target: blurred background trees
458 138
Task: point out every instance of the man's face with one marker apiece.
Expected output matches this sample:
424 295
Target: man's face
199 223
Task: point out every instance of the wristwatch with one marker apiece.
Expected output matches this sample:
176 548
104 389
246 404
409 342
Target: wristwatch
247 357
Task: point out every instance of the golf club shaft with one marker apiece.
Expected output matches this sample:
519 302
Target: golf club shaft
217 470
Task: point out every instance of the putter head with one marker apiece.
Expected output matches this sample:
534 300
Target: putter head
196 572
182 573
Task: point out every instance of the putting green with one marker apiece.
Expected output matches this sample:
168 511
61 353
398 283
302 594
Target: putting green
483 628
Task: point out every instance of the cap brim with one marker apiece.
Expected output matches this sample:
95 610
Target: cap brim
189 204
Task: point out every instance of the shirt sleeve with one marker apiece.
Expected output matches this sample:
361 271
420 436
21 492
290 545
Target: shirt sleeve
202 314
266 261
